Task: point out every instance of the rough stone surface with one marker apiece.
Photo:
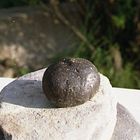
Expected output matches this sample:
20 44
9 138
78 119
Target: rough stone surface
126 127
26 113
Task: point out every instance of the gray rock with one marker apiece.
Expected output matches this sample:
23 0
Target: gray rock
32 33
126 127
26 114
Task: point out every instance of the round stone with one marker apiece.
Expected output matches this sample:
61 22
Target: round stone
70 82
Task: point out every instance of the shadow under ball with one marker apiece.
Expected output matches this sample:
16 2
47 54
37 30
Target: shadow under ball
70 82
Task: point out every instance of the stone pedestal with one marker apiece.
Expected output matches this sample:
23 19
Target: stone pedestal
26 114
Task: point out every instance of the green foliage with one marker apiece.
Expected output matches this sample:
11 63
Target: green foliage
127 78
112 25
106 26
22 71
119 21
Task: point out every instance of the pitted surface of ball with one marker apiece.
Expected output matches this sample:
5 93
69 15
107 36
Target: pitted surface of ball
70 82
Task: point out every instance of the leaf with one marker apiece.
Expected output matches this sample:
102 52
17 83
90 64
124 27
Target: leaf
119 21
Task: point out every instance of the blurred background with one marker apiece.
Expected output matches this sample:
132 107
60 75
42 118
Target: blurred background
35 33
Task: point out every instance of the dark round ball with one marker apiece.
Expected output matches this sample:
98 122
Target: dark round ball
70 82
